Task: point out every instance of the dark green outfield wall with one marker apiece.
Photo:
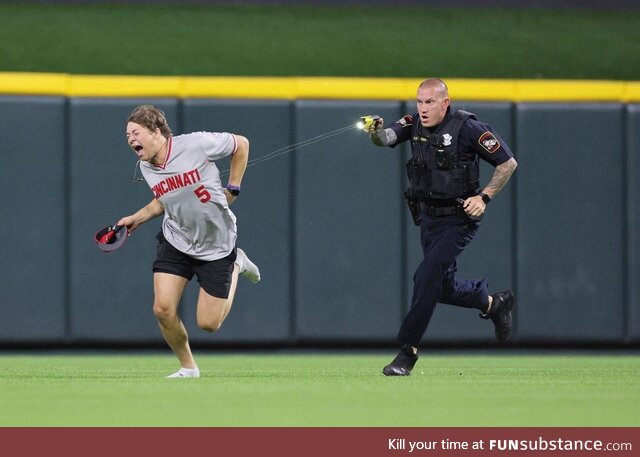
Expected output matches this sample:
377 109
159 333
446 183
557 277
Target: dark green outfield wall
327 224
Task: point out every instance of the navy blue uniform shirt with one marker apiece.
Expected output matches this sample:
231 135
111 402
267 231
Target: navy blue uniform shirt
476 138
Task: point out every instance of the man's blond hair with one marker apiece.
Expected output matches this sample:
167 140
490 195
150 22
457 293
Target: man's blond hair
437 83
152 118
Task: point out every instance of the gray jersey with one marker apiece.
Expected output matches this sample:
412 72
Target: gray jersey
197 218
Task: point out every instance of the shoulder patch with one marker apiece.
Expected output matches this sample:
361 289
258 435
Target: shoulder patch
488 141
405 120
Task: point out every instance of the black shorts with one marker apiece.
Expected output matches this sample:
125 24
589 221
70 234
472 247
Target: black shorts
213 276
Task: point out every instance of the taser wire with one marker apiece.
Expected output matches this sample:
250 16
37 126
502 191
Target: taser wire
273 154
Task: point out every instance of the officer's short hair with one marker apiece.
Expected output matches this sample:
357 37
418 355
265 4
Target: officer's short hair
431 81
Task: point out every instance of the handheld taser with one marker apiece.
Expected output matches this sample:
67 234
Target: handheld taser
366 122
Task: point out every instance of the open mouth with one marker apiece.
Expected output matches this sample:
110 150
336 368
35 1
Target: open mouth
138 150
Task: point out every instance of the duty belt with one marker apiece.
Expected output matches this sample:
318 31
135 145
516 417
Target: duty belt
437 211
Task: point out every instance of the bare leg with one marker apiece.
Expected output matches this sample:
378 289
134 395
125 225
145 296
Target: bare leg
168 290
212 311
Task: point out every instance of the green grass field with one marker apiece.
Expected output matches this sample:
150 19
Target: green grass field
317 41
345 390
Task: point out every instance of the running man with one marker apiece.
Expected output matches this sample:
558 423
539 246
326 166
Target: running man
199 230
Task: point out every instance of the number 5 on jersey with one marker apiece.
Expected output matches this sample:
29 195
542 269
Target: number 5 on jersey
203 194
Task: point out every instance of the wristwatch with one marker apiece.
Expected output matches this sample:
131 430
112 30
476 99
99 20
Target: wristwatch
485 198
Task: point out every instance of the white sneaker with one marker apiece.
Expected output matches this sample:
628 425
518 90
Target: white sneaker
247 268
185 373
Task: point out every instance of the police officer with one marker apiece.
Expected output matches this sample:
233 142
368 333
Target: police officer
446 201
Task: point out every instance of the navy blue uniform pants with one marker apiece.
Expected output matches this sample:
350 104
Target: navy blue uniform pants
443 239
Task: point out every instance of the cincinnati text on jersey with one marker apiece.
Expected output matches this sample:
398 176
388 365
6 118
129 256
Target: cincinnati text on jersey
176 182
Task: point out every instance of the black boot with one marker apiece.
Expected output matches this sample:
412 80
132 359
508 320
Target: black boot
500 314
402 364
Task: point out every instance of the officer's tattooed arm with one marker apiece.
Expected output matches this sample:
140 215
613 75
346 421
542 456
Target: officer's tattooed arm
500 177
383 137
